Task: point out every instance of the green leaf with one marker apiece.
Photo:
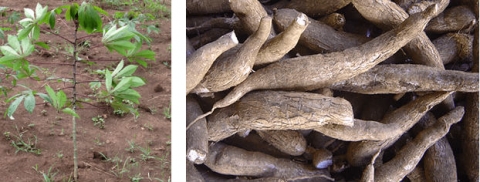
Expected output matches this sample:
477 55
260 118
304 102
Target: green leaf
108 80
136 82
51 19
127 71
41 13
129 94
118 68
25 31
29 102
62 99
27 47
29 13
124 84
45 97
43 45
14 43
71 112
52 95
9 51
14 105
88 18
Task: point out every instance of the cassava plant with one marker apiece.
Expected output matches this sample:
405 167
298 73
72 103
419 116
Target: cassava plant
116 88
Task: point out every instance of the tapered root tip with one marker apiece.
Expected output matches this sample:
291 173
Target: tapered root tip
234 37
302 19
431 10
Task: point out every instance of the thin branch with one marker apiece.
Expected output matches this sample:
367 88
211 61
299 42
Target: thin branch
40 62
53 33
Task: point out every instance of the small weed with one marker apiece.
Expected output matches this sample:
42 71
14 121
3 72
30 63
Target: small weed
99 121
136 178
59 154
21 145
167 64
167 113
146 153
47 177
131 146
148 126
98 142
7 135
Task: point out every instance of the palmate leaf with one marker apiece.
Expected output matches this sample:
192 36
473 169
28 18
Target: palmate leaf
88 18
32 21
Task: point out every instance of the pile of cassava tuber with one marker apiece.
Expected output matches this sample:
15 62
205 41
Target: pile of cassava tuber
324 90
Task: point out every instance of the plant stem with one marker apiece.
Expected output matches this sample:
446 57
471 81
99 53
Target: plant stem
74 123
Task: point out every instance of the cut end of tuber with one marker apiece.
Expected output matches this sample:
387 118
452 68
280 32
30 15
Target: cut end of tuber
234 37
196 157
302 19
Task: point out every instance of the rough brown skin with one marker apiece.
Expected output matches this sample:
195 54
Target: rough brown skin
402 119
201 60
318 36
317 8
470 124
400 78
207 37
253 142
193 174
335 20
276 47
232 70
387 15
368 174
250 12
197 136
196 7
220 22
454 47
320 70
452 20
417 175
393 124
279 110
408 157
438 161
231 160
288 141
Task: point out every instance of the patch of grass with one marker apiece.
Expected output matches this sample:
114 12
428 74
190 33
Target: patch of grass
20 144
136 178
131 146
146 153
47 177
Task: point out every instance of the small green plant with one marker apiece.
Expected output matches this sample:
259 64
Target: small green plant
136 178
47 177
20 144
146 153
59 154
131 146
115 87
98 142
99 121
167 113
148 126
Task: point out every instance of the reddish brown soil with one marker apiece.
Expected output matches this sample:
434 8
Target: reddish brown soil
53 130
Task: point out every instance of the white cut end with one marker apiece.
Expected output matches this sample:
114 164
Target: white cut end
302 19
12 118
196 157
234 37
324 164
